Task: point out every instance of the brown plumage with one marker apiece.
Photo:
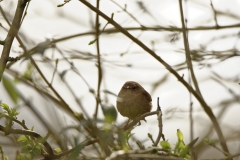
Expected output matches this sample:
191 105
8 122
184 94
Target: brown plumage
133 100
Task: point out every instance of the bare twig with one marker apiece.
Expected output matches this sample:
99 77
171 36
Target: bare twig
125 10
160 124
25 11
11 35
136 120
54 72
215 14
78 73
114 30
204 104
99 66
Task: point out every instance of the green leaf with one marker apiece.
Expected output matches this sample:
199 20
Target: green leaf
209 142
179 135
76 152
58 150
140 145
79 116
6 158
37 150
110 113
26 149
91 42
186 149
6 107
184 152
22 139
165 145
56 61
10 88
14 112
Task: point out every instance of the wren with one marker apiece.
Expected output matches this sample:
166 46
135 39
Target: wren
133 100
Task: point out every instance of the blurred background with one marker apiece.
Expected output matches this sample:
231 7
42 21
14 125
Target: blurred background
69 69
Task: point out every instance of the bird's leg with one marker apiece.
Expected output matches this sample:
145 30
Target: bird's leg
144 119
139 123
126 123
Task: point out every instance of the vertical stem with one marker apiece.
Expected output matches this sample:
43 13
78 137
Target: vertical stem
204 104
98 97
189 81
11 35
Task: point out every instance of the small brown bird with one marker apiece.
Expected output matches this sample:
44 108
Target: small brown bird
133 100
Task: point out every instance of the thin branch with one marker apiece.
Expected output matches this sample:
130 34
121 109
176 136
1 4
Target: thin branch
160 124
78 73
99 66
25 11
189 62
114 30
54 72
125 10
136 120
66 107
11 35
215 13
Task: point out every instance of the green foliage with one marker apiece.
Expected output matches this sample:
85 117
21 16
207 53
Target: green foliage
30 146
123 140
10 88
165 145
209 142
92 42
110 113
11 112
150 137
79 116
180 149
58 150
